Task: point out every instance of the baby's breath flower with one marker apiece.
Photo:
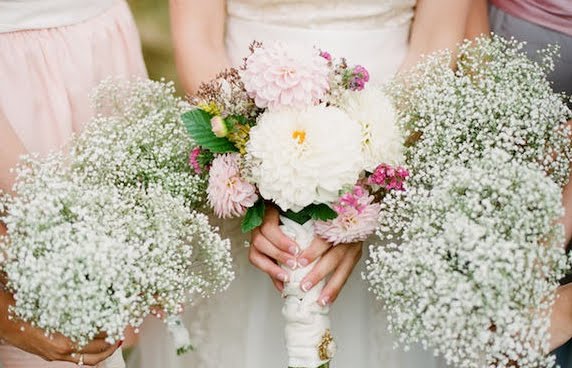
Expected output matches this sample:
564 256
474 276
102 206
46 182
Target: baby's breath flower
99 237
475 275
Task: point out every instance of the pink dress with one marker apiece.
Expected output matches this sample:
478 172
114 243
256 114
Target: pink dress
49 63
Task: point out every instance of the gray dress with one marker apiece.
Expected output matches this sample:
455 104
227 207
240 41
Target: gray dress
537 37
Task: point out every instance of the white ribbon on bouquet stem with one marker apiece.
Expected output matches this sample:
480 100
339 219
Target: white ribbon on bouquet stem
307 322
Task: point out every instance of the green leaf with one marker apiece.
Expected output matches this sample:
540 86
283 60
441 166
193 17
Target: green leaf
321 212
198 124
300 217
254 216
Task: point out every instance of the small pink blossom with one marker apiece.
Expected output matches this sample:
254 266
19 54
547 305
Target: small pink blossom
219 127
326 55
389 177
228 193
194 162
357 218
280 75
357 78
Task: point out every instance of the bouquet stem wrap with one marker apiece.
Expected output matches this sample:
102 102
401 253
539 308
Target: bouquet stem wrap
308 340
114 361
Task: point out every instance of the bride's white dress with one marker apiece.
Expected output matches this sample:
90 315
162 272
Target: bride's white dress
243 327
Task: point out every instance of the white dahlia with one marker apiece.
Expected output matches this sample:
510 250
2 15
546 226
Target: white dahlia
304 157
280 75
381 140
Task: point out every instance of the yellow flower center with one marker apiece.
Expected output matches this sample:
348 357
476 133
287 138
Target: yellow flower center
231 182
299 135
287 71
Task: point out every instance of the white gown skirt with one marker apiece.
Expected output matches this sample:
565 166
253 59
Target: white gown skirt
243 327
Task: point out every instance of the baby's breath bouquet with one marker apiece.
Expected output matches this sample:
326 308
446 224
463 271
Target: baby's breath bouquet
475 250
101 236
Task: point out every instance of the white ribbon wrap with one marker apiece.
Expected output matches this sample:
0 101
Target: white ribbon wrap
114 361
306 321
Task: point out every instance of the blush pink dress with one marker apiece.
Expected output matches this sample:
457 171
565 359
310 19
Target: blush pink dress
52 54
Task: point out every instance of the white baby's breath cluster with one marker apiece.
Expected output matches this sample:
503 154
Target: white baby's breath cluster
475 275
476 248
496 98
101 237
139 139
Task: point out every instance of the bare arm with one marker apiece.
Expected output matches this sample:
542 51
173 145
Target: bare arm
197 27
561 319
478 20
438 25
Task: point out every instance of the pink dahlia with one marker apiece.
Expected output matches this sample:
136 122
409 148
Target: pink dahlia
228 193
357 218
278 76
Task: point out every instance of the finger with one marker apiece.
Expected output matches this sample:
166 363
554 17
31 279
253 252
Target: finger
95 347
318 247
340 276
267 248
265 264
101 335
271 230
94 359
279 285
328 263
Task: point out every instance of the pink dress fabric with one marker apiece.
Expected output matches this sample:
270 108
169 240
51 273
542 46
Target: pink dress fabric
46 77
552 14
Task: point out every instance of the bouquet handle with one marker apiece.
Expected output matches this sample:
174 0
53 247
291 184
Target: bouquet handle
308 339
114 361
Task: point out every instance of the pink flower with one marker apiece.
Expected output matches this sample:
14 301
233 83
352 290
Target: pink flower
357 218
277 76
228 193
326 55
389 177
356 78
219 127
194 162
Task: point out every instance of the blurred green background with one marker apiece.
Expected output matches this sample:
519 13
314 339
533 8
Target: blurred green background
152 17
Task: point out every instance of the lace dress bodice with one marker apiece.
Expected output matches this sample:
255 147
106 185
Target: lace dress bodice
324 14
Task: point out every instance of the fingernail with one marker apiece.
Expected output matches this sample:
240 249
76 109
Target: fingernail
295 250
303 262
291 264
283 277
324 301
306 286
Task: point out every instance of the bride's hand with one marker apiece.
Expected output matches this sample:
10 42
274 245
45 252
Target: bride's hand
339 261
53 348
271 245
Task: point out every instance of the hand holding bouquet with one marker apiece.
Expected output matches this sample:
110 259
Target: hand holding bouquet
299 130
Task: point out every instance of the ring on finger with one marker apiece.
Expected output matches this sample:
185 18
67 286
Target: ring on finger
80 361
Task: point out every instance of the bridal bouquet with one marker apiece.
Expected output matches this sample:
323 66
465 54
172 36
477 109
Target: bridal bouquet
479 250
297 129
104 235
